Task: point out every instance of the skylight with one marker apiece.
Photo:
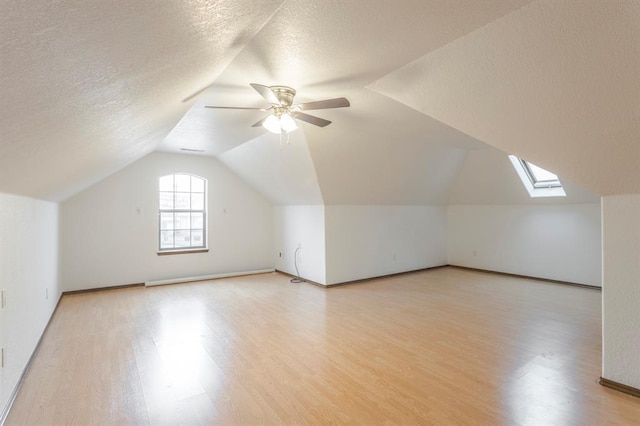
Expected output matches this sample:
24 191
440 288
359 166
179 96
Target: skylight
540 174
538 181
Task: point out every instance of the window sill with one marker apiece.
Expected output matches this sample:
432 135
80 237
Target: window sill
182 251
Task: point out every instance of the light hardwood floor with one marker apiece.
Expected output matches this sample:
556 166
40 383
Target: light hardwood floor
445 346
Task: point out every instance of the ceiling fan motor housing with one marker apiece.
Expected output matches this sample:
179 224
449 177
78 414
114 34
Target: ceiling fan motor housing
284 94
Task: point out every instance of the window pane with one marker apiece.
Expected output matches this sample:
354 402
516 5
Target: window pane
166 239
166 221
183 183
197 220
196 239
197 201
166 183
183 221
182 238
182 201
166 200
197 184
540 174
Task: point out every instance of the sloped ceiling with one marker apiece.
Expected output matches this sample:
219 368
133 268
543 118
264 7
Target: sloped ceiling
375 152
487 177
555 82
90 87
280 169
386 153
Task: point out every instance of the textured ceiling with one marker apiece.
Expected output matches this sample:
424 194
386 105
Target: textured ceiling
87 88
375 152
385 153
324 49
555 82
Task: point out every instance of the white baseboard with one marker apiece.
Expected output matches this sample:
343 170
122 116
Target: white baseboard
207 277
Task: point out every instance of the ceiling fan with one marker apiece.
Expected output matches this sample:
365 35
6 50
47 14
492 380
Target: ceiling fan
283 112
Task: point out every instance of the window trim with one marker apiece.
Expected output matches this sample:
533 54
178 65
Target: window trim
183 250
536 188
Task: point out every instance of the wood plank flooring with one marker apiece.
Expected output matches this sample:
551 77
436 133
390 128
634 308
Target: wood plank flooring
444 346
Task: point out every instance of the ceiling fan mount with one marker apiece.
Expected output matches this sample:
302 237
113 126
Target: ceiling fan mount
284 94
283 111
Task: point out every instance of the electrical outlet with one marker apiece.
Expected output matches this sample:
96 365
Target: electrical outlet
3 299
46 293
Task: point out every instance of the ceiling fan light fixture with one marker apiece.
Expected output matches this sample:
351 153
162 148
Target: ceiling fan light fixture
287 123
272 124
284 123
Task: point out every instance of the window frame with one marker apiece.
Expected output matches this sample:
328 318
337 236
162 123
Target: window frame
537 183
190 249
536 188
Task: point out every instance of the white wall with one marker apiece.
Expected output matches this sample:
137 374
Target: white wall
369 241
621 289
29 276
304 227
560 242
110 231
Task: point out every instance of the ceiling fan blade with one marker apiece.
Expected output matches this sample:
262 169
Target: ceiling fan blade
267 93
259 123
226 107
329 103
311 119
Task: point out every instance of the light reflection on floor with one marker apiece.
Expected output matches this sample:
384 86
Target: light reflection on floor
541 391
179 339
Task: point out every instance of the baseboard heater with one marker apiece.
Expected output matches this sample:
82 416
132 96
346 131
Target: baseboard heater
207 277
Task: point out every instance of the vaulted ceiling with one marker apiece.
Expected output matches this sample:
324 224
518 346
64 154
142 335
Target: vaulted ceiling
555 82
87 88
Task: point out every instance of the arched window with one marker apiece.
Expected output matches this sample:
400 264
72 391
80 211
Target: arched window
182 214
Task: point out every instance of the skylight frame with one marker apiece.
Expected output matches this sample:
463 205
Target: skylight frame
535 187
535 181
